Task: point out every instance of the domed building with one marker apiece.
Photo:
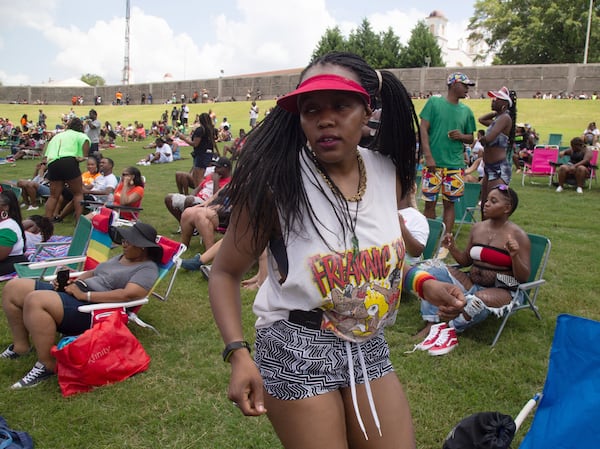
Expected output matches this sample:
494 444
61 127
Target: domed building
462 53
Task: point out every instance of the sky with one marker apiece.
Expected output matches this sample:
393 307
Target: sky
43 40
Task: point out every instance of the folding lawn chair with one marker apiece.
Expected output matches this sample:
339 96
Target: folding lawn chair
554 139
568 413
98 250
540 164
77 248
467 206
170 263
437 229
540 252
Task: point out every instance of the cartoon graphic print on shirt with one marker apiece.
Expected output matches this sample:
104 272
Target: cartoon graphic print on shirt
361 296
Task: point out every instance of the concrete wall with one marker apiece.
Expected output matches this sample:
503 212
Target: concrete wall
525 79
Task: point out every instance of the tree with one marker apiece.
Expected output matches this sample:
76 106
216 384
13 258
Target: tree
93 80
380 51
364 42
390 50
535 31
422 49
332 40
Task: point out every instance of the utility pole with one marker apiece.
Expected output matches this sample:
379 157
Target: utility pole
587 37
125 79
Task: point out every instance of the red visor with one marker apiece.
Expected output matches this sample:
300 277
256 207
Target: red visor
289 102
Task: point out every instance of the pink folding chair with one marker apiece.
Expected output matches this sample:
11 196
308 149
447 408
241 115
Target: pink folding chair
540 164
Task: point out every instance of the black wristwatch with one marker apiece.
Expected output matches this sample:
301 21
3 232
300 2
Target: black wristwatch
234 346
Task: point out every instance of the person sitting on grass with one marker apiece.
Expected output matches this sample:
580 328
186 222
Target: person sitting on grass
176 203
236 148
578 167
498 252
37 186
37 229
162 155
36 310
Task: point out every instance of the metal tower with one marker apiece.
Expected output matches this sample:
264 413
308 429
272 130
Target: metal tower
126 67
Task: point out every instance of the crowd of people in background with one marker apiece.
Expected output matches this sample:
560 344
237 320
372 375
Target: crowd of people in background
351 132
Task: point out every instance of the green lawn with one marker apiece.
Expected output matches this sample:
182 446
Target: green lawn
181 400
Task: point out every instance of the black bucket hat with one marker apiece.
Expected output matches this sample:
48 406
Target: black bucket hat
140 234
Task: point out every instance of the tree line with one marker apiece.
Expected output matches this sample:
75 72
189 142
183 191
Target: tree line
513 31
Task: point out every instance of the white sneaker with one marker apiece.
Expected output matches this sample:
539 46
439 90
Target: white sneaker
446 342
579 190
33 208
432 337
559 189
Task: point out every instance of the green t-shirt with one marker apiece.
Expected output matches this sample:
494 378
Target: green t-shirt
443 117
65 144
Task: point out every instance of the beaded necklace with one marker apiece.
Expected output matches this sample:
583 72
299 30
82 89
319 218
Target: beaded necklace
343 200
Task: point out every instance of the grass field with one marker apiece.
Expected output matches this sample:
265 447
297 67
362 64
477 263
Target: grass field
181 400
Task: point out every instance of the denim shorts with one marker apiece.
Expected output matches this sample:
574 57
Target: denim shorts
204 159
429 312
296 362
499 170
74 322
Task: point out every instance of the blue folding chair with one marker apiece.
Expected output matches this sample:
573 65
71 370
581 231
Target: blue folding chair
568 413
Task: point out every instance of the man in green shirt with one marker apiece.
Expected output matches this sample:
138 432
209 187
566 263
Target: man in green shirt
446 126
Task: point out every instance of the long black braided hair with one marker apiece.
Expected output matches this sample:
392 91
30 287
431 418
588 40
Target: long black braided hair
267 182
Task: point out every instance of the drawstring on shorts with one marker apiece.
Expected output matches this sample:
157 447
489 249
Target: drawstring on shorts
367 387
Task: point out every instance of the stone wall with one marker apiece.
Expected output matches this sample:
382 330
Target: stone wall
526 80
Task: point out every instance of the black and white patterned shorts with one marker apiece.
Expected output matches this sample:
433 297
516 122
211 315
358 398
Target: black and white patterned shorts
297 363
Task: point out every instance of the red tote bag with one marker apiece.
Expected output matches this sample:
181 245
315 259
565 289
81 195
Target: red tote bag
105 354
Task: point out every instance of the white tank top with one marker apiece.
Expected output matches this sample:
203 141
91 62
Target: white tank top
359 298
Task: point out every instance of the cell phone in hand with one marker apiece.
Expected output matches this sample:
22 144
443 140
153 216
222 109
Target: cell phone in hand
62 278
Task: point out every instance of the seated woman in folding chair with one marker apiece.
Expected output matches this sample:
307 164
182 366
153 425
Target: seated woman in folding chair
578 167
498 252
36 310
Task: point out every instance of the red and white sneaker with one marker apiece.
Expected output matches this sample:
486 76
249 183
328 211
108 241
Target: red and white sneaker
434 333
446 342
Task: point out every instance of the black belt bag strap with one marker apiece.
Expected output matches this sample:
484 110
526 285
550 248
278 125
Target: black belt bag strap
310 319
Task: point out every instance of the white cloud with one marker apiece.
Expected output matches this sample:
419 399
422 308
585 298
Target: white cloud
253 36
401 22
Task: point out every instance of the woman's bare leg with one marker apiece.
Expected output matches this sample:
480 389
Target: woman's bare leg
42 310
329 420
13 297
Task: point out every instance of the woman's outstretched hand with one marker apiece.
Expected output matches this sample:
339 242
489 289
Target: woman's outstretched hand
447 297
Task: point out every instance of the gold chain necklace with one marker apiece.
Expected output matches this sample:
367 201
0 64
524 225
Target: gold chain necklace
362 180
356 198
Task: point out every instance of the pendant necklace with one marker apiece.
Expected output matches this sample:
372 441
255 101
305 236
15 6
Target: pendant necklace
491 236
344 201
